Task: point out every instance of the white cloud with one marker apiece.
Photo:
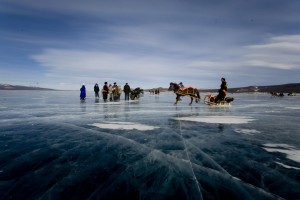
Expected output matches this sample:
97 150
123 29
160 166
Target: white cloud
150 66
83 64
278 52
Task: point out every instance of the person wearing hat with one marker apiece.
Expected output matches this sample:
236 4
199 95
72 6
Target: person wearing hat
126 91
222 91
181 85
104 91
82 92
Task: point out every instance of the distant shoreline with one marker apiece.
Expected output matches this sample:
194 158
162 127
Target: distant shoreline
20 87
284 88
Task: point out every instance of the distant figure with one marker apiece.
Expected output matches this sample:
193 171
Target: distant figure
273 93
96 90
135 94
110 91
277 94
181 85
126 91
82 92
116 92
292 94
222 91
105 91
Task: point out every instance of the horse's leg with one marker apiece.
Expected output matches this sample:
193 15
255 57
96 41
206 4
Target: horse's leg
191 101
198 95
177 99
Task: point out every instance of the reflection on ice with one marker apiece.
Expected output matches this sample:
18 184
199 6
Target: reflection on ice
124 125
290 151
109 102
219 119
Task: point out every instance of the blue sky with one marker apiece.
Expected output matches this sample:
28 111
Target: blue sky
61 44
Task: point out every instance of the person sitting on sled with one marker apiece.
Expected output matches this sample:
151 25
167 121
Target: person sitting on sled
222 91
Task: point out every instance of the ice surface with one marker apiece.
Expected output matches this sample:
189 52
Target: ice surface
53 146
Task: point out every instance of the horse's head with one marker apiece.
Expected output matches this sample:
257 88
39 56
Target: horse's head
137 90
173 86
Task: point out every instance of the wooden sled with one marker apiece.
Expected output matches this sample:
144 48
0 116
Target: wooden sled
210 100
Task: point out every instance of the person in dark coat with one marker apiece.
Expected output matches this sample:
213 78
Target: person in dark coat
126 91
82 92
222 91
105 91
96 90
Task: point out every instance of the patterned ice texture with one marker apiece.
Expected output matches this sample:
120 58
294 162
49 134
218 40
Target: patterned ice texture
54 146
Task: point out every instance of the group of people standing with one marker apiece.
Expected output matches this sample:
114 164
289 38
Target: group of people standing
112 91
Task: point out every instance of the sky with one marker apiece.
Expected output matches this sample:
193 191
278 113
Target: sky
61 44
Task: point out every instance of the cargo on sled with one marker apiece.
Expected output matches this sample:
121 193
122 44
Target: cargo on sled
212 101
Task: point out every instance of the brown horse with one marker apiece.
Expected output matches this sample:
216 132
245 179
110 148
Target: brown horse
189 91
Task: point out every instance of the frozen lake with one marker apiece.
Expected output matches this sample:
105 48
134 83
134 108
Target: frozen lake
52 146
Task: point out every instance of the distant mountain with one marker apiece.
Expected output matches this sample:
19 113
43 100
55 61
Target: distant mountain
286 88
19 87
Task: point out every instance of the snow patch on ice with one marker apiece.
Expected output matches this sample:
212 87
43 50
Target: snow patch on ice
247 131
219 119
291 152
278 145
124 125
287 166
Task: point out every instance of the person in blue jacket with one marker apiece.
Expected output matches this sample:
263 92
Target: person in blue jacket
82 92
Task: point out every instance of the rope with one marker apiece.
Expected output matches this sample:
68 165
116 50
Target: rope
190 163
